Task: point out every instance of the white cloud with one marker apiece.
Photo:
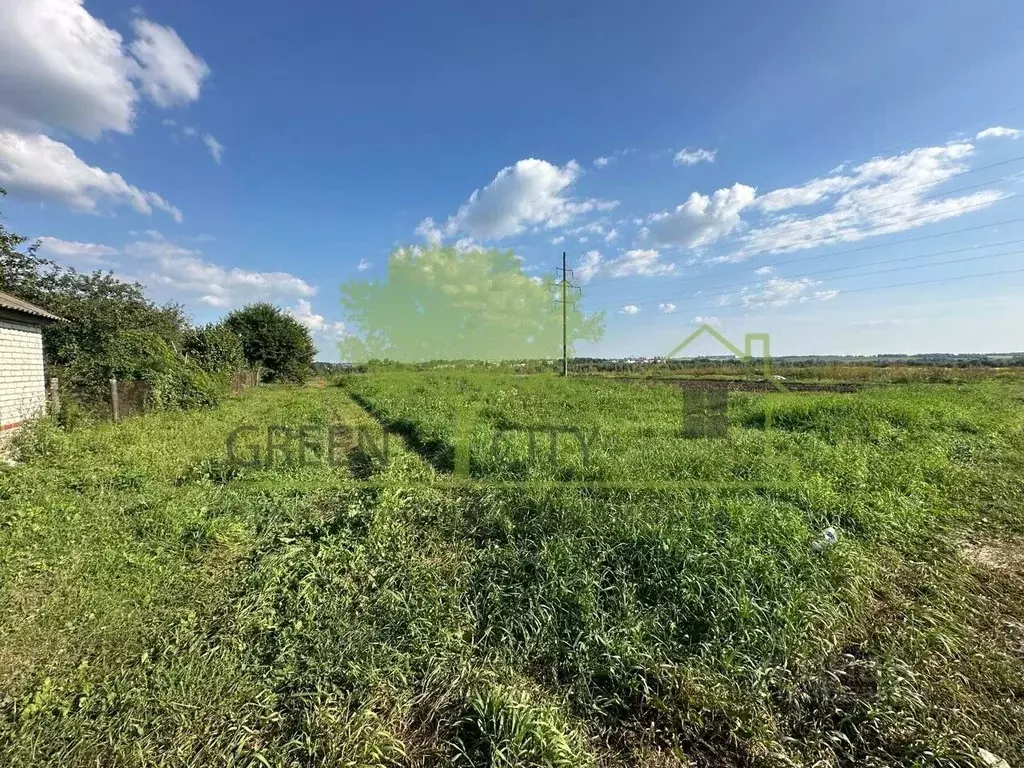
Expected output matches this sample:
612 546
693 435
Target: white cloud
215 147
702 320
62 68
694 156
605 160
643 262
629 309
779 291
429 231
466 244
806 194
169 73
611 235
588 266
364 265
92 254
593 228
558 240
39 168
189 131
179 270
701 218
667 306
882 196
303 312
531 193
999 132
765 270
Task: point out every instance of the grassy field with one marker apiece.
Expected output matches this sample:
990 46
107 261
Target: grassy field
631 598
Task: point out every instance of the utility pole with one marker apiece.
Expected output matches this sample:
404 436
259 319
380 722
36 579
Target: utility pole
566 285
565 313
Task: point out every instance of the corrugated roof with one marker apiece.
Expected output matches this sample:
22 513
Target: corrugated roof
15 304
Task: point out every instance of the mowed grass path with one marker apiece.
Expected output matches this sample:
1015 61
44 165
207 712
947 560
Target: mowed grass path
163 606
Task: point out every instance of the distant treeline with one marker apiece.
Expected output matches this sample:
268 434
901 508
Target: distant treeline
723 364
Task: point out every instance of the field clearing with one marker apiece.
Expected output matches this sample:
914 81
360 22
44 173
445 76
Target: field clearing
634 598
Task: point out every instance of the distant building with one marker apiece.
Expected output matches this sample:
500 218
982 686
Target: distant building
22 380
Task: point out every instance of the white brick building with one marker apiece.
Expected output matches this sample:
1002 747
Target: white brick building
22 382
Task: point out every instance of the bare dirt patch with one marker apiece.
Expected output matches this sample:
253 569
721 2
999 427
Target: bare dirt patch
1002 555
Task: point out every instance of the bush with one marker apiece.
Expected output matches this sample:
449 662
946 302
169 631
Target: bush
185 386
174 383
274 342
213 348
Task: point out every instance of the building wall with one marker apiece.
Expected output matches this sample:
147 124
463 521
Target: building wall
22 382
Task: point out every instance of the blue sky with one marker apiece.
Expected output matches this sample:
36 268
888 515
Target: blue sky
764 167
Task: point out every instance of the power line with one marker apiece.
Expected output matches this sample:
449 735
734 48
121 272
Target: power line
808 223
844 293
866 230
649 297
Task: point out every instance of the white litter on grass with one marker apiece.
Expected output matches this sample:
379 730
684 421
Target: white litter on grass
994 760
828 537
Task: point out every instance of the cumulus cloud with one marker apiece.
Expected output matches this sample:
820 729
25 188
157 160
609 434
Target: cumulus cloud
215 147
36 167
611 235
64 69
601 162
303 312
645 262
667 306
364 265
703 320
531 193
558 240
169 73
92 254
694 156
629 309
702 218
999 132
765 270
183 271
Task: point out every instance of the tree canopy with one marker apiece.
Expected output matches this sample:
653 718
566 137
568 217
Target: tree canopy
97 306
273 341
444 303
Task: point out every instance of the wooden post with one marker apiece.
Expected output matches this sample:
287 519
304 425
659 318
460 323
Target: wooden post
55 395
113 400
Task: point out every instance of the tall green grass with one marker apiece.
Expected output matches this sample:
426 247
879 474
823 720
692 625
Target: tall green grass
161 606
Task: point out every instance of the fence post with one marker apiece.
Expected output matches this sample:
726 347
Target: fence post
113 399
55 394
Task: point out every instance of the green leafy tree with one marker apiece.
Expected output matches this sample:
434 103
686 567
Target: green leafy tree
97 306
440 303
273 341
214 348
